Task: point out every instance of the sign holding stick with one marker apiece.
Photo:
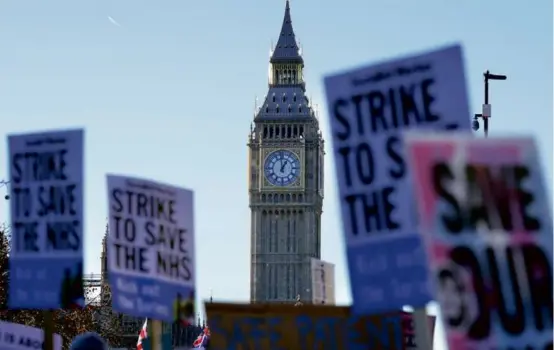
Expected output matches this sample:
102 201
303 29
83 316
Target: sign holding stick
46 190
151 249
408 325
488 231
369 108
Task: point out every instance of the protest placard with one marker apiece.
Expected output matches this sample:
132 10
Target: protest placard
487 225
151 249
368 110
285 326
14 336
46 202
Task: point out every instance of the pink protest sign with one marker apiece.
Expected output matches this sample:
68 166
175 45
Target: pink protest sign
487 227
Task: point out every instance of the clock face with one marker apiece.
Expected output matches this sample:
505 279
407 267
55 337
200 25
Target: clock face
282 168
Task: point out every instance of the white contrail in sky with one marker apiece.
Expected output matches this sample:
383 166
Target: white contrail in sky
113 21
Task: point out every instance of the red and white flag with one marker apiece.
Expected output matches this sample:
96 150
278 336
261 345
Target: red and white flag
143 334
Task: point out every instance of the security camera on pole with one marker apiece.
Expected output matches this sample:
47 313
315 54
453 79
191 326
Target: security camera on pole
486 112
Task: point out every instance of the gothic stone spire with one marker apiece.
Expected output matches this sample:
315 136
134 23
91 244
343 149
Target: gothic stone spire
287 48
286 98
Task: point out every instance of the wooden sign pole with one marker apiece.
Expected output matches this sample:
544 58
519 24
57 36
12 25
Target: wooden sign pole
156 336
48 325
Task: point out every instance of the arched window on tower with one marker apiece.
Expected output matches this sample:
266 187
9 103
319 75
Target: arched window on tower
265 132
294 77
277 77
290 109
273 98
289 131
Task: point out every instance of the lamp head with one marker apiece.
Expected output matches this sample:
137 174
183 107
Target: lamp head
490 76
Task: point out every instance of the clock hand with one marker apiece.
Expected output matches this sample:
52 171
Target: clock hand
283 164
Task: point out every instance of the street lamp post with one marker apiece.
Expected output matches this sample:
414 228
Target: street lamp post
486 111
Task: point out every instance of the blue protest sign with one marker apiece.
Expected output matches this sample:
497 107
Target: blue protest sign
46 202
151 249
369 108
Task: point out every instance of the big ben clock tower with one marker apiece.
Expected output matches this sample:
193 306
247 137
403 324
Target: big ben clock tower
285 180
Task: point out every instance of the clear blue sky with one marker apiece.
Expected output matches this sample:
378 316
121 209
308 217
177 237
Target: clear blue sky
169 92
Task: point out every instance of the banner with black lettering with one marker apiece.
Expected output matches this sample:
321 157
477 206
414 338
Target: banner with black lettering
285 326
151 258
14 336
46 207
487 227
369 108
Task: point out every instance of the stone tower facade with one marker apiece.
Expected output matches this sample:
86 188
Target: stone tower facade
285 180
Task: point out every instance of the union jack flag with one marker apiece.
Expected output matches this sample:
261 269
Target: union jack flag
202 339
143 334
